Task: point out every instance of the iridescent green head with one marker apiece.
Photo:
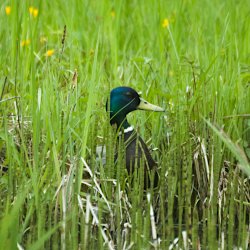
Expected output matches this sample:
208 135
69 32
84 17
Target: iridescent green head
124 100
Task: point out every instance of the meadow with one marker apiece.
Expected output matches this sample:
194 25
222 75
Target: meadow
60 59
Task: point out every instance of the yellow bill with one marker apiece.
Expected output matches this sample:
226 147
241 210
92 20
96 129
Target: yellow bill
144 105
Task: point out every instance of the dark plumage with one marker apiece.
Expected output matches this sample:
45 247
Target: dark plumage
124 100
136 151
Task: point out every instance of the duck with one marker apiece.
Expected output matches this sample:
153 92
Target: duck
122 101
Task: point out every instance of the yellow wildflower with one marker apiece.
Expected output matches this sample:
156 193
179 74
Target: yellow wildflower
25 42
7 10
112 13
49 52
165 23
33 11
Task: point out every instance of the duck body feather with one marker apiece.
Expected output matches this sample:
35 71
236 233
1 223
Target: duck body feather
124 100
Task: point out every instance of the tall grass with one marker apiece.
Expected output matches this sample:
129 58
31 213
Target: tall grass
55 192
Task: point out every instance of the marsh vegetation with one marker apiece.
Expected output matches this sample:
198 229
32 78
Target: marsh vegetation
60 59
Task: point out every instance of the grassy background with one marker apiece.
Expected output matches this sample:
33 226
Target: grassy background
53 116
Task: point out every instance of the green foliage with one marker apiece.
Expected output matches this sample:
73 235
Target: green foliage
59 61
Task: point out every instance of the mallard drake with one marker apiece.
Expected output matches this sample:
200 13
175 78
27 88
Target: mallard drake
124 100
